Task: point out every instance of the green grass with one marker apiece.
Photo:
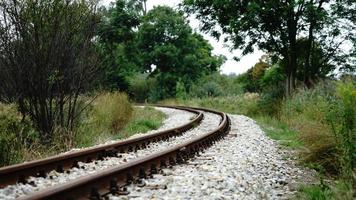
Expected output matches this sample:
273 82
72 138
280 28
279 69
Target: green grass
338 190
144 119
314 192
280 131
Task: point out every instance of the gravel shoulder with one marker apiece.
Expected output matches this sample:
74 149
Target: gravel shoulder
245 165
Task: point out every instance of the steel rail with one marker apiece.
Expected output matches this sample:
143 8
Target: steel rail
114 180
20 172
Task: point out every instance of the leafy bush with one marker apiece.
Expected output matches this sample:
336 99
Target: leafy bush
271 99
141 87
215 85
180 91
208 89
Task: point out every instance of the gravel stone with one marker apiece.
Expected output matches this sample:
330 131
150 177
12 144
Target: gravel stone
210 122
245 165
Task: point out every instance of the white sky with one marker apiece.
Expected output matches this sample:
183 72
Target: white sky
230 66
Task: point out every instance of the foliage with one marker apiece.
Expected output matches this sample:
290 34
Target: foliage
325 124
238 104
9 125
111 111
215 85
90 132
117 42
279 131
271 99
247 82
275 26
344 127
16 134
262 76
177 54
180 90
20 142
273 75
47 59
141 87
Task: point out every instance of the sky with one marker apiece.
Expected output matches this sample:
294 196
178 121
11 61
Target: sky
230 66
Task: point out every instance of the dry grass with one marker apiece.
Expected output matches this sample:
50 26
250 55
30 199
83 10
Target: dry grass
112 111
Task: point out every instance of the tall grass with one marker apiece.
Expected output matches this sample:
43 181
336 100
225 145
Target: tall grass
325 119
110 116
106 117
16 134
319 122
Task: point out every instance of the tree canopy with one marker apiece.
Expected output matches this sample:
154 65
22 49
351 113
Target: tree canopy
275 26
167 42
159 42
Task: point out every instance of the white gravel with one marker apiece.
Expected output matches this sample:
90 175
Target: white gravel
245 165
210 121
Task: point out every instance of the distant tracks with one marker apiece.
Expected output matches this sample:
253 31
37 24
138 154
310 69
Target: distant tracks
113 180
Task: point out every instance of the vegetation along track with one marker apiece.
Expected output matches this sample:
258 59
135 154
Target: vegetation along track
113 180
20 172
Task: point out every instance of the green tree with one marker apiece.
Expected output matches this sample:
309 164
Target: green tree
274 26
167 42
117 41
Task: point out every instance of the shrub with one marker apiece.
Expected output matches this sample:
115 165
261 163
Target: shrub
216 84
180 91
141 86
111 111
325 120
271 99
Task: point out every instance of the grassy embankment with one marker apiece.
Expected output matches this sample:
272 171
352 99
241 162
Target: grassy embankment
110 116
318 123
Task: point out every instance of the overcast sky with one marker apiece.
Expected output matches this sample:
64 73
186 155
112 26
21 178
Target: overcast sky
230 66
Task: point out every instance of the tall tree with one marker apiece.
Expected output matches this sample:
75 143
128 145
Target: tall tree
167 42
274 26
117 37
47 58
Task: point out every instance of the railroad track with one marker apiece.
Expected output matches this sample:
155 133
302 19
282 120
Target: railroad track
114 180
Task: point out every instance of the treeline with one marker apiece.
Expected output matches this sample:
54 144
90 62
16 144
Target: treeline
54 52
152 54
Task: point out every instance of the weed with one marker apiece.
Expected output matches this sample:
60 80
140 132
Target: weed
144 119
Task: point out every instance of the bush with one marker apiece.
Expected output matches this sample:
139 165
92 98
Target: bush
271 99
111 111
140 87
325 120
215 85
180 91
